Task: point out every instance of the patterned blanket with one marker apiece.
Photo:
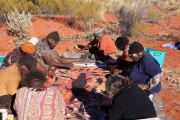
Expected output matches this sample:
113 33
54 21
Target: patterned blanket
83 89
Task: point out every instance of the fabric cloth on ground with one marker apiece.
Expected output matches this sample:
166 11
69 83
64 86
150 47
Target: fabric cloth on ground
142 71
131 103
39 105
11 58
9 80
83 89
157 102
99 63
173 45
73 55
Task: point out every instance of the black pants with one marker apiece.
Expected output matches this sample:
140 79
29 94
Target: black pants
94 50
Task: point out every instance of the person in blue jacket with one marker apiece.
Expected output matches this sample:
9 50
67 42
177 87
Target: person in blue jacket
145 71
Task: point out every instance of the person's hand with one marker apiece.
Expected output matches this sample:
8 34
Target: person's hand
117 71
51 73
144 86
91 57
111 69
69 65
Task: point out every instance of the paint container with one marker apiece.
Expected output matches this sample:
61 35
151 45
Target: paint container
3 113
10 117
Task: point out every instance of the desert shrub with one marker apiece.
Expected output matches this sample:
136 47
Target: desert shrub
18 24
87 10
27 6
2 18
154 14
84 10
138 28
75 9
178 12
130 11
49 7
168 5
6 5
22 5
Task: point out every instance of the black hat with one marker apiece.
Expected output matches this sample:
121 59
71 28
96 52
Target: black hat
136 47
54 35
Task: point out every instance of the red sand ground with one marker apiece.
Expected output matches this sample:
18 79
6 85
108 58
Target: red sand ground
171 67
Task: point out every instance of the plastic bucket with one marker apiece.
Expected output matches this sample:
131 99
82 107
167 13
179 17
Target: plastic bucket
1 59
157 54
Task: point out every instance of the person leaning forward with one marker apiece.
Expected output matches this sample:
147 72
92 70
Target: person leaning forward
47 55
101 47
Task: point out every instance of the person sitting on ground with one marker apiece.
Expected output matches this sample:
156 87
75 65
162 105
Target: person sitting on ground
145 71
18 53
11 76
34 101
102 47
129 102
122 44
27 48
47 55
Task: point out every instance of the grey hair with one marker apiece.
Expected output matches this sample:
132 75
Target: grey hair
98 32
115 83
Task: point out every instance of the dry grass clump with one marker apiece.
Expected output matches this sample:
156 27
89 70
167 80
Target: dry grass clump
130 14
138 29
154 14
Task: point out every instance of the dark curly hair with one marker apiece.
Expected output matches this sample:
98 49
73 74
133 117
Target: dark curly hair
29 62
32 76
53 35
115 83
121 42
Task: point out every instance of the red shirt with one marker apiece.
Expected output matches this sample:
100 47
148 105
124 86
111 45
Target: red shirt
106 44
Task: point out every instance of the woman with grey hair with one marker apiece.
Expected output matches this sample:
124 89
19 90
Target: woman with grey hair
101 47
128 101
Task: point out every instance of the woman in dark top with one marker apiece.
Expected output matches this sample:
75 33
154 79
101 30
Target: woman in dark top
128 101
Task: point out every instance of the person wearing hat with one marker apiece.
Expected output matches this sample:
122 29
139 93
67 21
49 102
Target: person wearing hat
11 76
47 55
123 61
27 48
145 71
33 40
101 47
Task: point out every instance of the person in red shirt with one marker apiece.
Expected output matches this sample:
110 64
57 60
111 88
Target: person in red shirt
102 47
